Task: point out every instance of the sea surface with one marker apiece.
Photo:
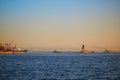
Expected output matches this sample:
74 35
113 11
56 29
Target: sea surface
60 66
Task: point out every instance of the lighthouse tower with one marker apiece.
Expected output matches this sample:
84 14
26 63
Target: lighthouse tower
83 48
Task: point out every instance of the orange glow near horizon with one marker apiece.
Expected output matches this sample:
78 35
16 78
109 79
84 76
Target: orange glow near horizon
65 25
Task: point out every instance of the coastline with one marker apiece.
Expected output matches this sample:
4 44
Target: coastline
10 52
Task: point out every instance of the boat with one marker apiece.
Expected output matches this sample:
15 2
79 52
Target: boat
107 51
57 51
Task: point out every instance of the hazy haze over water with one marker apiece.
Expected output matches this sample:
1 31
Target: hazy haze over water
61 24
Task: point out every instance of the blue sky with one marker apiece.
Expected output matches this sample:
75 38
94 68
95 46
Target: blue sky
61 24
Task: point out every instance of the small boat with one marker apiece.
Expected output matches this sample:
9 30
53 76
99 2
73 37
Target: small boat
57 51
107 51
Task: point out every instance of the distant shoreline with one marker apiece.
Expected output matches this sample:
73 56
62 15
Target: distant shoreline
10 52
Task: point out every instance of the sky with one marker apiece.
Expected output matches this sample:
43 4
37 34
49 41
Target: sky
61 24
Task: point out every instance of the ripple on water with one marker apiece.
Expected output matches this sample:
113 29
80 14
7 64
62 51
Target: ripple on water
36 67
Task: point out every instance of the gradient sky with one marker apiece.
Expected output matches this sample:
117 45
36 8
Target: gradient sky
61 24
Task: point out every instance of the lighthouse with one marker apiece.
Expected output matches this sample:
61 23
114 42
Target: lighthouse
84 50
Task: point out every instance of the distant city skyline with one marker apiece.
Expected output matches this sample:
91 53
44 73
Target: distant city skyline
61 24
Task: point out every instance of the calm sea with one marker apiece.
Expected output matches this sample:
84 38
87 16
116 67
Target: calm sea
60 66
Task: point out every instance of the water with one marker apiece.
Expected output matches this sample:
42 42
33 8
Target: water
60 66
